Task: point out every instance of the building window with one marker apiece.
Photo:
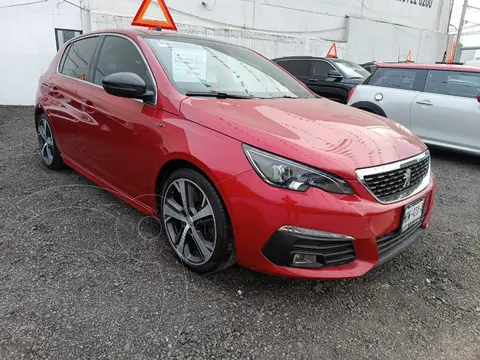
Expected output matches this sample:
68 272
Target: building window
64 35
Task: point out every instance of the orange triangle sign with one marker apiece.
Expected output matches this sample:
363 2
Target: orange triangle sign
138 20
409 56
332 53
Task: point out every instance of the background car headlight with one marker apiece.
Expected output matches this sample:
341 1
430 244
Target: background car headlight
281 172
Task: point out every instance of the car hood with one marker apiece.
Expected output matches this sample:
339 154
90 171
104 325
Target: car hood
317 132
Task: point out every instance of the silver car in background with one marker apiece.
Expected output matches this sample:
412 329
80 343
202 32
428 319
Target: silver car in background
440 103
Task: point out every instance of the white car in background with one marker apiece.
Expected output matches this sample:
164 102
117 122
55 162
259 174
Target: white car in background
440 103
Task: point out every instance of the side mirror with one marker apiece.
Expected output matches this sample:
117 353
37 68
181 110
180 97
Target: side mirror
126 85
478 98
334 74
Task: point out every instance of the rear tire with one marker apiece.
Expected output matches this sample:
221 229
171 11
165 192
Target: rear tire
48 148
196 222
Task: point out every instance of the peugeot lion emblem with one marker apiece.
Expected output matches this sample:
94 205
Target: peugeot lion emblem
408 178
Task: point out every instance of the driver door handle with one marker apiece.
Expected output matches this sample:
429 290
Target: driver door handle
425 102
313 80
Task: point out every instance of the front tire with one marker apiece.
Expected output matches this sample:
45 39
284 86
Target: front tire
196 222
48 148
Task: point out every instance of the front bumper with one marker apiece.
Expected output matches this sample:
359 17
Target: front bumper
258 211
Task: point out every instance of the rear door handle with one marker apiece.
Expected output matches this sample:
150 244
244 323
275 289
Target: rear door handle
89 107
425 102
313 80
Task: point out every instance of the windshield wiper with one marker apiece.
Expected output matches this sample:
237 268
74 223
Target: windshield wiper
218 95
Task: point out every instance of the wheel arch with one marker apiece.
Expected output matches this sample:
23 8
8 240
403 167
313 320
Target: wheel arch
39 111
173 164
182 162
370 107
179 161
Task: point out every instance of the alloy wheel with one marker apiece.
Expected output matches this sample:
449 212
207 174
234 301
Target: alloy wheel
189 222
45 141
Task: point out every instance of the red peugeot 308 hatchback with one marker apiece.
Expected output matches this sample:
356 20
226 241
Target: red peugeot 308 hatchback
241 162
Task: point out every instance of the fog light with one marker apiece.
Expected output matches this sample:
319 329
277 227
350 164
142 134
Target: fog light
300 259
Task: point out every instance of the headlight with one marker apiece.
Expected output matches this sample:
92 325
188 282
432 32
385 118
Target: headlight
284 173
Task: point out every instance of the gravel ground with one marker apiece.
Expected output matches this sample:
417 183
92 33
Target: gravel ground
85 276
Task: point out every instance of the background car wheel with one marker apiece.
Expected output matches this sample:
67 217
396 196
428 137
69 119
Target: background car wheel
369 110
46 141
196 222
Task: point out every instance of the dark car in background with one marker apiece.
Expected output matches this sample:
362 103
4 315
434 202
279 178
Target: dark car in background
327 77
370 66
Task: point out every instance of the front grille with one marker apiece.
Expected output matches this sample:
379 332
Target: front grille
329 253
396 181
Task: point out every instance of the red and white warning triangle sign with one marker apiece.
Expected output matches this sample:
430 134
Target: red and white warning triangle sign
149 14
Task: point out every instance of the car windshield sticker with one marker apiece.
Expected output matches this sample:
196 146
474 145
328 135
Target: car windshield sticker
189 65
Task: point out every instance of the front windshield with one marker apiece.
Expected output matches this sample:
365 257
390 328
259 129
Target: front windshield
205 66
353 71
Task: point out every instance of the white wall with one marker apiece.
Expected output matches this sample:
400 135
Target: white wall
364 30
369 41
306 17
269 45
28 45
409 13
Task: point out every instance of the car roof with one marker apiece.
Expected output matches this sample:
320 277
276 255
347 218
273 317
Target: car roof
430 66
304 58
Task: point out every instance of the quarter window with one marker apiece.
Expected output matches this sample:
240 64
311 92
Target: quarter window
299 67
120 55
394 78
77 58
454 83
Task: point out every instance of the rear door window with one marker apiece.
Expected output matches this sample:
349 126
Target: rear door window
121 55
453 83
77 58
299 68
394 78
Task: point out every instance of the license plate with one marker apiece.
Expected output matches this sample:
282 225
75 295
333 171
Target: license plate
412 214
